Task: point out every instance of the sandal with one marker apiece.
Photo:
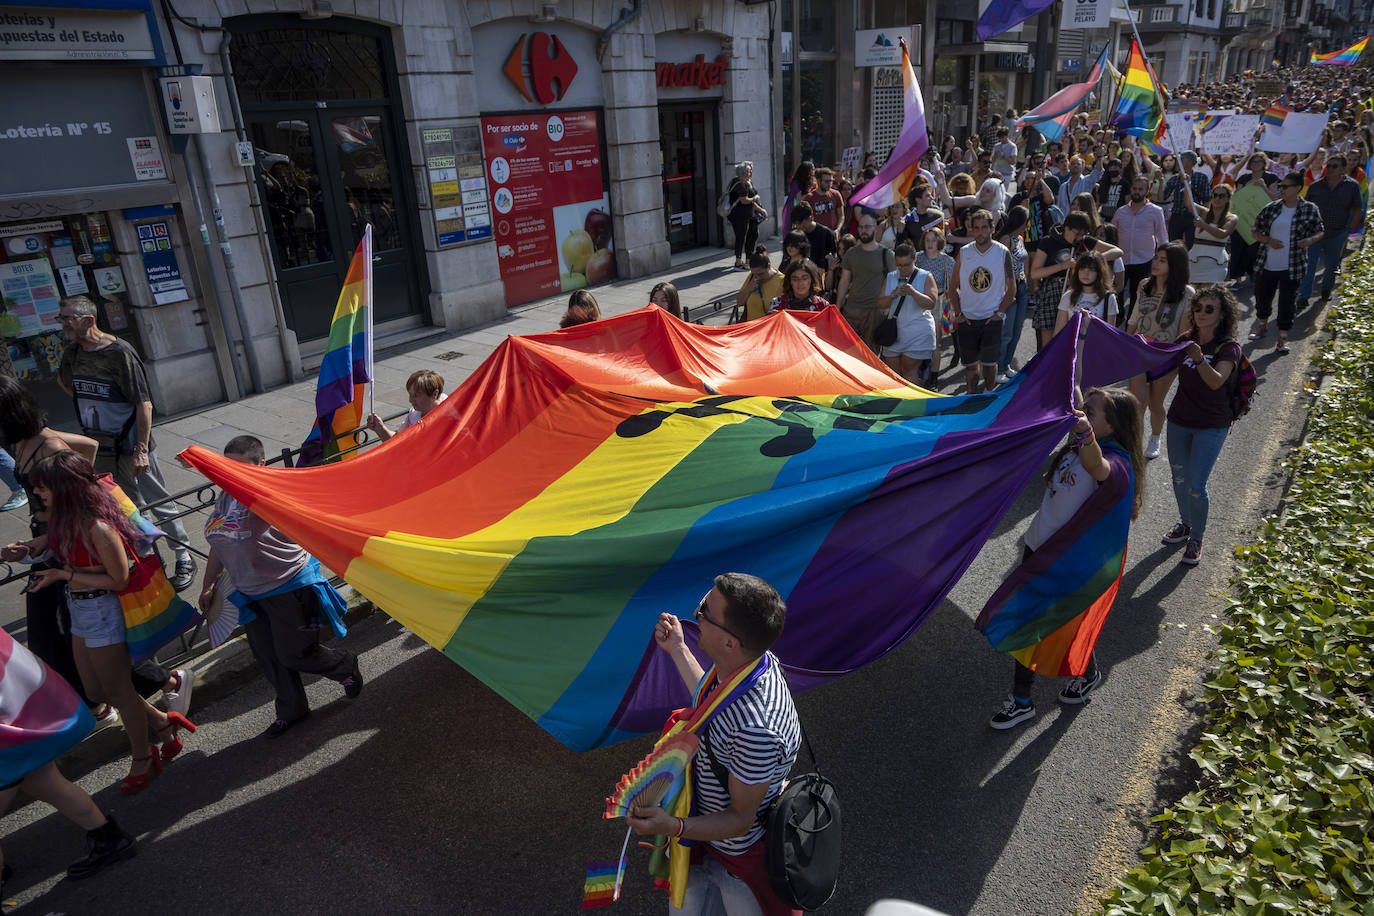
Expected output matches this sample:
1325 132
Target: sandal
171 746
137 782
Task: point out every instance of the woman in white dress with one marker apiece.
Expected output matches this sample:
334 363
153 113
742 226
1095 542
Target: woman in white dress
1209 258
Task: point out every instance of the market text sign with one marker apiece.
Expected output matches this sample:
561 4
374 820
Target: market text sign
698 73
55 33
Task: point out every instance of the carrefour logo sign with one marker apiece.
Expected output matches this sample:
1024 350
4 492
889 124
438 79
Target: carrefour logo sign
551 68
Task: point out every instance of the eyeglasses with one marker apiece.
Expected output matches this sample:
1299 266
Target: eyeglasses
69 319
1199 307
700 615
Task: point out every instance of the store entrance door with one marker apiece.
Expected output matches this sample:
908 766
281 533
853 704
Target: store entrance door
325 174
687 135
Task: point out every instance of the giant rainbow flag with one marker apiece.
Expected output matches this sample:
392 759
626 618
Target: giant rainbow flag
898 174
347 366
580 483
1344 57
1052 116
1140 107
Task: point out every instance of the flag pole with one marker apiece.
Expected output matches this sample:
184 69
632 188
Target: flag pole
367 283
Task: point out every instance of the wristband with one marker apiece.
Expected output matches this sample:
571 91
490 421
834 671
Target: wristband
681 828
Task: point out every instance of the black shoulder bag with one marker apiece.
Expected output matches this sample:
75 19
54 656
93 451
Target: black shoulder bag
801 833
885 334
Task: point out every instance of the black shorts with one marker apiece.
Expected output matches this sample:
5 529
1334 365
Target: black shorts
980 340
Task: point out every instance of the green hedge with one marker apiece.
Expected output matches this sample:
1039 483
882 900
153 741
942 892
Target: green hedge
1282 816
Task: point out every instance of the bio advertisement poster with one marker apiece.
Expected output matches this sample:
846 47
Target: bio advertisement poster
549 204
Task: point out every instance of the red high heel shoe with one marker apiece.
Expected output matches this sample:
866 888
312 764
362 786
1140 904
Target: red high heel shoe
172 746
137 782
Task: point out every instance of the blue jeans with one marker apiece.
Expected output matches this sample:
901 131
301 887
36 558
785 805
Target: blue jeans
7 471
1192 453
713 891
1011 327
1330 250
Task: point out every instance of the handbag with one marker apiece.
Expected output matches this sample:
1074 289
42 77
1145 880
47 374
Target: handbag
885 334
723 205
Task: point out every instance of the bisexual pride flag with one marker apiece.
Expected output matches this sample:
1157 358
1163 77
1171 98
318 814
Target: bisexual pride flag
347 366
582 482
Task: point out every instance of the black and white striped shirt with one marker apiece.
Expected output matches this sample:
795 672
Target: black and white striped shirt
755 739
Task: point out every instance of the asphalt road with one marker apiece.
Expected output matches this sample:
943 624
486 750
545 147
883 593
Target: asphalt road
429 794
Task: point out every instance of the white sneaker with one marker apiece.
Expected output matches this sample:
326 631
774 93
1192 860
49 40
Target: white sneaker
109 720
1152 447
179 700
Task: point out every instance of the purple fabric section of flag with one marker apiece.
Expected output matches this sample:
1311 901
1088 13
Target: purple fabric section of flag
1002 15
1110 356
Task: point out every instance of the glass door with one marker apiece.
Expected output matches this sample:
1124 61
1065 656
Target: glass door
685 173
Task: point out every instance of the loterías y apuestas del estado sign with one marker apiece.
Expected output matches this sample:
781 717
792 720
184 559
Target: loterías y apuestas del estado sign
698 73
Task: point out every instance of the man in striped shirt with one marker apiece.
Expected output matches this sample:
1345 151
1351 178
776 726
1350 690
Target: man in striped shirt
752 742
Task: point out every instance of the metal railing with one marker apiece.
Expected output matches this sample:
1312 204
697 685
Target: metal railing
201 498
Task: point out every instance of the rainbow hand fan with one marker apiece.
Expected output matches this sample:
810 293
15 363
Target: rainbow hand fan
652 778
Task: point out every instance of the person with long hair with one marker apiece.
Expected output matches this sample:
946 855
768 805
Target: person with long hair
1049 611
1051 265
664 295
893 226
932 258
801 288
1168 168
762 286
582 308
1011 233
803 183
1160 312
47 619
1113 189
1200 415
1086 204
93 540
1210 253
958 187
1088 289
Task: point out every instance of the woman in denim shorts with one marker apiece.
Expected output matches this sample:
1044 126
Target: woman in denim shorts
90 536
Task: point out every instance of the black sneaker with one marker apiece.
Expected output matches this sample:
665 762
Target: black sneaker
1078 689
353 684
184 573
105 845
1177 535
1192 554
1012 714
282 726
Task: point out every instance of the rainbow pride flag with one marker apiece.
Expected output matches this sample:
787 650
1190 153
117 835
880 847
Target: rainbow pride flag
347 366
1344 57
582 482
1141 105
1049 611
898 174
1275 114
1207 122
41 717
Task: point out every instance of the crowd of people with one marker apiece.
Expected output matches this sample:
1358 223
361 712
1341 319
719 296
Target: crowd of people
997 231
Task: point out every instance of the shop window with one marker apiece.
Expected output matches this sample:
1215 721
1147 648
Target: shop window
41 262
817 112
291 64
817 24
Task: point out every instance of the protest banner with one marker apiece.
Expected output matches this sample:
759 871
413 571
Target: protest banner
1299 133
1233 134
1246 203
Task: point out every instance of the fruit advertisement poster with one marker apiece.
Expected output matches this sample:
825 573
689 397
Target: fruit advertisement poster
549 202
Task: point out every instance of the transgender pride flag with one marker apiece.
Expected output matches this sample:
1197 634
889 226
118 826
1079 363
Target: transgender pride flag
891 185
1052 116
41 717
347 366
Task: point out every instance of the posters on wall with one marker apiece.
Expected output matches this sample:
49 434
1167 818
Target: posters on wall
551 211
31 298
457 188
160 263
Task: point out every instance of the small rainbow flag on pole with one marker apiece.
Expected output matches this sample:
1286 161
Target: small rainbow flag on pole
1344 57
602 885
347 366
1274 115
1276 63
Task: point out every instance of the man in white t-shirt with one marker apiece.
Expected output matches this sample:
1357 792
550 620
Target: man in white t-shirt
980 291
1004 155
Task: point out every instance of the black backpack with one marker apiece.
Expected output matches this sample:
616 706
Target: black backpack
801 834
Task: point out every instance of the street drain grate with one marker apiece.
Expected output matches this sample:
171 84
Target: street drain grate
451 354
